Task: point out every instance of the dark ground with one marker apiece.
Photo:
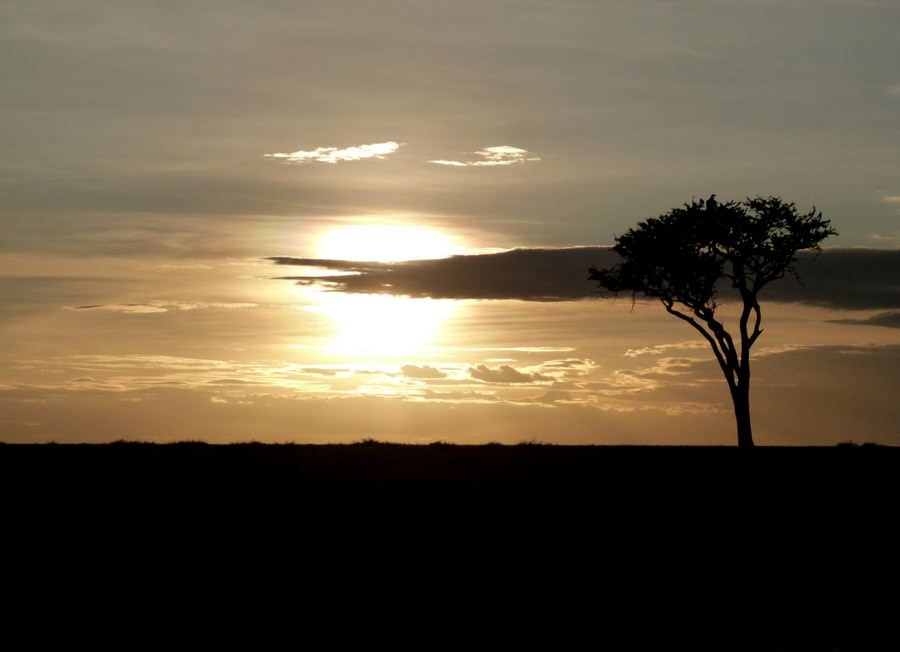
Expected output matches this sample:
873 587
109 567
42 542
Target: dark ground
827 487
463 531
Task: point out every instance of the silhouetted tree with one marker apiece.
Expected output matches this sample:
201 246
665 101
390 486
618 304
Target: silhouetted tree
682 256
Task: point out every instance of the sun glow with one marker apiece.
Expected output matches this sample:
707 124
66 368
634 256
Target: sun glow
382 325
379 325
385 243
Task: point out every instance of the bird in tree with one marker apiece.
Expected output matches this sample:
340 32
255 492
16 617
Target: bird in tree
685 255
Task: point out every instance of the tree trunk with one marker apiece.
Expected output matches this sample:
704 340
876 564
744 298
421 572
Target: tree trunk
741 398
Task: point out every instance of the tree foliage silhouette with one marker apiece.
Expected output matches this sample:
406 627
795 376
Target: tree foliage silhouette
682 257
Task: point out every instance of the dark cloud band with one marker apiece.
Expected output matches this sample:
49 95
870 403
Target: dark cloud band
839 278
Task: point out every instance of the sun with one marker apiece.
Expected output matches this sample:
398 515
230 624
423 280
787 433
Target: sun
382 326
385 243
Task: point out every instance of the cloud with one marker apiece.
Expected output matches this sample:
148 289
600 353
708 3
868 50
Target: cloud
233 379
553 396
891 199
514 349
662 348
889 319
492 156
423 372
894 89
126 308
160 306
808 395
568 366
334 155
855 279
530 274
860 279
181 267
455 164
504 374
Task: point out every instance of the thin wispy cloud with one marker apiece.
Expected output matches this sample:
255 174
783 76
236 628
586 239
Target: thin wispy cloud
894 89
181 267
514 349
492 156
662 348
125 308
159 306
338 155
892 200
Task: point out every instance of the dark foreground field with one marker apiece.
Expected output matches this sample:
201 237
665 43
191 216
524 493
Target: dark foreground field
827 487
542 527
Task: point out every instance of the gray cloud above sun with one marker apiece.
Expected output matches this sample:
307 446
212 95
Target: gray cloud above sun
853 279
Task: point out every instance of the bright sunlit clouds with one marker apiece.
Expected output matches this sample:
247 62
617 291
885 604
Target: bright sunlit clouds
385 243
335 155
499 155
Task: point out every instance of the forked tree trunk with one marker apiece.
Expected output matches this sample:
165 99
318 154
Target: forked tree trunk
741 398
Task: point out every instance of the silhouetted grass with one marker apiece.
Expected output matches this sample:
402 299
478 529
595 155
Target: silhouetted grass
534 478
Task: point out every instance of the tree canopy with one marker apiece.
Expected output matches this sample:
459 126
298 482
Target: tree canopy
683 256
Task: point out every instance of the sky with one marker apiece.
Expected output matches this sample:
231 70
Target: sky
178 176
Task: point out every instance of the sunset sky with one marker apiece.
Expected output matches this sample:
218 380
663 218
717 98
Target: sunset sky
177 176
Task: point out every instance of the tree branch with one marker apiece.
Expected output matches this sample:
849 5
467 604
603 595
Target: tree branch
720 358
725 340
757 331
726 344
751 305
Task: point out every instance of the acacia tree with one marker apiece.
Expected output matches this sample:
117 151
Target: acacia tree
682 257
